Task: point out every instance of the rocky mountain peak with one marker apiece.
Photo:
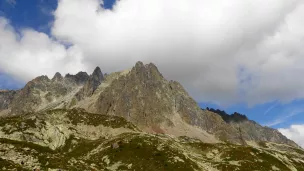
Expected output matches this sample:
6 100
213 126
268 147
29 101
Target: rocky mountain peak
91 85
235 117
97 76
80 78
42 78
57 77
139 64
146 72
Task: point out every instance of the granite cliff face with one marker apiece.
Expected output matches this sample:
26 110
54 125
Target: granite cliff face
142 97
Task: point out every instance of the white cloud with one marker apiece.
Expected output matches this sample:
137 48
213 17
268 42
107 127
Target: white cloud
295 133
32 53
220 51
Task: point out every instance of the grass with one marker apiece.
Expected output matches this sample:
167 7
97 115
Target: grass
143 154
77 116
263 144
8 165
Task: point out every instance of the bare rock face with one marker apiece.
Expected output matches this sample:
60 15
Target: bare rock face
140 96
57 77
146 99
6 96
91 85
42 93
80 78
252 131
30 96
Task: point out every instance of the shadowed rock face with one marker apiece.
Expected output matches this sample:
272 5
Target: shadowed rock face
91 85
6 96
250 130
235 117
57 77
80 78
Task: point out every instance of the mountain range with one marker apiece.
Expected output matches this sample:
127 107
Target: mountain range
130 120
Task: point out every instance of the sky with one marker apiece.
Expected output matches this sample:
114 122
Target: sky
244 56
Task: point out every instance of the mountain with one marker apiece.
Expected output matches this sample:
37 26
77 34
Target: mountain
98 121
251 131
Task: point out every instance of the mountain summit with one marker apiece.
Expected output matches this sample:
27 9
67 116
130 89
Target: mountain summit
130 108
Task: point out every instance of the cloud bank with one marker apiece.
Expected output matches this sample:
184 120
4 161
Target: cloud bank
294 132
224 52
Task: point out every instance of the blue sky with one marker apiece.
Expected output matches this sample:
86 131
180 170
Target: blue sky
271 106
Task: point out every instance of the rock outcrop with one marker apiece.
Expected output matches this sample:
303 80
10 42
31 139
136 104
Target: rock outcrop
80 78
91 85
43 93
57 77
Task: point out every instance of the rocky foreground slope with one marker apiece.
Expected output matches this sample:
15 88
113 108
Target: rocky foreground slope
138 113
76 140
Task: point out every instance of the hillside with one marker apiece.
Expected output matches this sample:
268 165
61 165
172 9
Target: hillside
77 140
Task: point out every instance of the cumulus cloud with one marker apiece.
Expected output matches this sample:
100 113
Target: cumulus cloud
221 51
295 133
29 53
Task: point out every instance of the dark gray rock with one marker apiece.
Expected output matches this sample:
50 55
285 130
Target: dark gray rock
6 96
80 78
57 77
91 85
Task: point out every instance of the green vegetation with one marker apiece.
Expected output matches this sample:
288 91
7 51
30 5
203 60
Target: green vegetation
17 123
143 153
136 150
263 144
8 165
77 116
